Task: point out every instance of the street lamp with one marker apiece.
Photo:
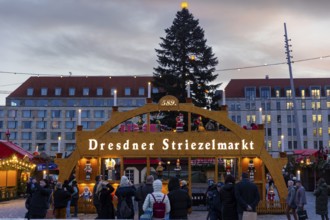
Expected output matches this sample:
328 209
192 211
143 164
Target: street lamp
168 169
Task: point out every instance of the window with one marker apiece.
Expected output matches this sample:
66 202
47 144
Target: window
12 113
72 91
26 135
303 104
279 131
289 105
99 91
238 107
98 124
303 93
86 124
85 91
277 92
320 132
155 90
26 124
56 102
56 113
112 91
43 91
70 146
265 92
70 125
289 132
70 136
316 105
1 125
2 113
232 107
26 146
329 131
12 124
250 93
315 145
141 91
315 92
233 118
305 145
72 102
327 91
304 131
238 119
288 93
54 135
290 144
15 103
85 114
41 102
130 175
54 147
41 124
26 114
41 135
56 124
278 118
99 102
99 114
317 118
127 91
58 91
29 92
278 106
250 119
304 118
289 119
42 146
247 105
328 105
70 113
42 113
269 131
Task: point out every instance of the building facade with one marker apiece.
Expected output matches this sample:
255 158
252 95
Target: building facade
272 99
43 111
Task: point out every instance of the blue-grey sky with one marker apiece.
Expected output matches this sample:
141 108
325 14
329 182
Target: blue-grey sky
116 37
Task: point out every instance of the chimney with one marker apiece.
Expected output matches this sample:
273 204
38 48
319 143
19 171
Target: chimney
267 76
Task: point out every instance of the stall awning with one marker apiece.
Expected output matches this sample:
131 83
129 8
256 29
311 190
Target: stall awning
306 152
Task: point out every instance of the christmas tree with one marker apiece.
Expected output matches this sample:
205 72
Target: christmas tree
185 58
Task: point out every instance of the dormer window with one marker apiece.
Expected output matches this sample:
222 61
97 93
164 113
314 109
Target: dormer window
58 91
127 91
141 91
288 93
112 92
265 92
99 91
250 93
315 91
85 91
29 92
44 91
72 91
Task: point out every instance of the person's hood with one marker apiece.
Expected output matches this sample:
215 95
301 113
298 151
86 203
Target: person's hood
157 185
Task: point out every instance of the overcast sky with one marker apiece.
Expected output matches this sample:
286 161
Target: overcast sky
119 37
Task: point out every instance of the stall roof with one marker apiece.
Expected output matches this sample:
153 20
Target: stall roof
8 148
306 152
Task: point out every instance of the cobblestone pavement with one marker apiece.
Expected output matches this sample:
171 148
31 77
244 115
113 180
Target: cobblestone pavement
15 209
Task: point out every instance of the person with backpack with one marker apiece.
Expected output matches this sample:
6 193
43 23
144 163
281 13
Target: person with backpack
209 197
143 191
180 200
157 201
215 203
290 201
125 193
228 200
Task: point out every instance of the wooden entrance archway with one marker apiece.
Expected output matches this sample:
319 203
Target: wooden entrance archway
234 142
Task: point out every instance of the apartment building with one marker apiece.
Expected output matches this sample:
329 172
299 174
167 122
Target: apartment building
43 111
272 99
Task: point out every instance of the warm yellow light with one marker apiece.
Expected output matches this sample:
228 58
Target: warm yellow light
184 5
192 57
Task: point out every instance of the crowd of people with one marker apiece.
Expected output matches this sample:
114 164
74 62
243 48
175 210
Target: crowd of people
296 199
225 201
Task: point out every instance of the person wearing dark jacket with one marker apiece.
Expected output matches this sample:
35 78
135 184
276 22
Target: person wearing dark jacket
142 192
125 191
96 201
61 198
228 200
107 210
215 212
180 200
40 200
321 201
74 198
247 196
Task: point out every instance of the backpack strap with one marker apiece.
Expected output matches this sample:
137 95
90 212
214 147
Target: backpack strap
153 197
163 198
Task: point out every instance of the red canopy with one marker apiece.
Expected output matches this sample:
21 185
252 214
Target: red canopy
306 152
8 148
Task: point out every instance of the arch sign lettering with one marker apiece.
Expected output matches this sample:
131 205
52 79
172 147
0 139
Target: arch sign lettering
233 141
